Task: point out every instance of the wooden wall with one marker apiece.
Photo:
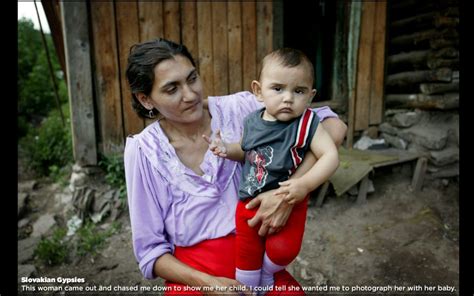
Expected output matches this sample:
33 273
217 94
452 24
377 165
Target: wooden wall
227 40
423 60
370 65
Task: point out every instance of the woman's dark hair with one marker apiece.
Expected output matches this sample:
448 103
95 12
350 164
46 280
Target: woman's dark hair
142 60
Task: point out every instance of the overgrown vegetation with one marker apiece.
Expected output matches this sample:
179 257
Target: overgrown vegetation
88 241
49 146
43 138
55 250
115 173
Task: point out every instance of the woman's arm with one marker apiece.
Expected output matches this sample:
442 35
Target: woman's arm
171 269
336 129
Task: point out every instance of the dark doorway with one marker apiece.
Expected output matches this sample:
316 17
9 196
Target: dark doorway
310 26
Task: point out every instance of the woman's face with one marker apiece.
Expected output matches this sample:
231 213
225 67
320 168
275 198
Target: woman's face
177 90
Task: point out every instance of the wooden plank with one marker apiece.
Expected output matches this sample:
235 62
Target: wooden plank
75 20
204 21
364 67
249 37
363 188
321 194
419 174
219 48
339 60
352 54
234 24
53 15
171 21
264 30
378 64
150 20
189 28
128 34
107 79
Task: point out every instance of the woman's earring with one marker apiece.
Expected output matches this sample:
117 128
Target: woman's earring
151 114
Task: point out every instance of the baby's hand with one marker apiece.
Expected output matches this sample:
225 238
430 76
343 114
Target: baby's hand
293 191
217 146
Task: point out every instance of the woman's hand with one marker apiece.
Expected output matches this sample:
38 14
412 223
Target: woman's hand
273 212
223 285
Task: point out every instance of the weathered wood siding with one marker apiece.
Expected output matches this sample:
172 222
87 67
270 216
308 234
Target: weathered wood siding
370 65
226 38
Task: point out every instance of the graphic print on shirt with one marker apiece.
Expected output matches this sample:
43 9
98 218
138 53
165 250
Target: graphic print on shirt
259 160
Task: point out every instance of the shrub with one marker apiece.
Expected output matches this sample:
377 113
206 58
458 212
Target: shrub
49 145
90 240
55 250
115 173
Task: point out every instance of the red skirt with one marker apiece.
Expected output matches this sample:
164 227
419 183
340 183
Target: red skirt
217 257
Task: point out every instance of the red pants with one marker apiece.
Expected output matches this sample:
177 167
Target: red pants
217 257
281 247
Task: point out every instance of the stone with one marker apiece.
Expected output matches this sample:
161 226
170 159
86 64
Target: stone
27 270
430 137
43 225
27 186
22 201
23 222
26 249
405 119
444 157
395 141
387 128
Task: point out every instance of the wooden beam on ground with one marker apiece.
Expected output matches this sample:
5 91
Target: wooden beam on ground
75 21
419 174
363 188
321 194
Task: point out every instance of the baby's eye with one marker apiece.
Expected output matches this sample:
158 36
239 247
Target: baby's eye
299 91
276 88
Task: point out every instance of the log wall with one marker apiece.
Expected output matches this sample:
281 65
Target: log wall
422 83
423 55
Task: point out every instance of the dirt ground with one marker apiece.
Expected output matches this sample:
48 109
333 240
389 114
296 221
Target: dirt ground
398 240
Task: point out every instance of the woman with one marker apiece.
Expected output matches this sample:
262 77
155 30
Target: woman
181 197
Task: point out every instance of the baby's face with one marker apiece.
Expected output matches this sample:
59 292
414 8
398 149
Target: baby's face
285 91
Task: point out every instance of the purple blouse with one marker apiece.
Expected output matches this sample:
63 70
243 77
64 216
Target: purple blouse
169 203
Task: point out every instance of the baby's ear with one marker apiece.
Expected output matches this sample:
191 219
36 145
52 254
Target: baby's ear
313 93
257 90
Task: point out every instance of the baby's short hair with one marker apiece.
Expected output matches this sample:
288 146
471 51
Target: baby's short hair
288 57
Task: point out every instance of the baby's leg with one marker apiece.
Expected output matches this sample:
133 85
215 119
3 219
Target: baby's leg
283 247
249 248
